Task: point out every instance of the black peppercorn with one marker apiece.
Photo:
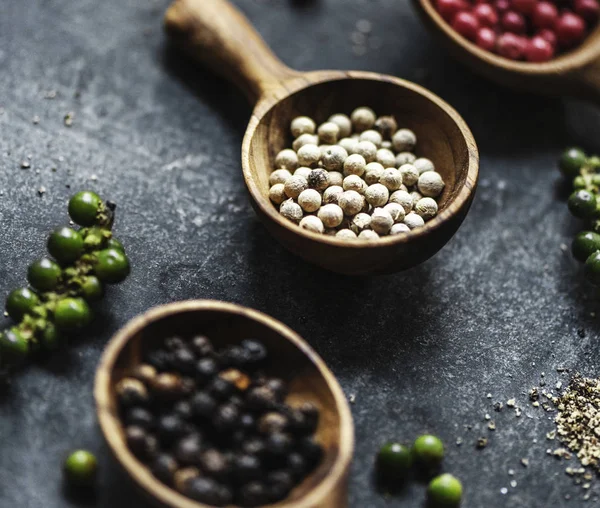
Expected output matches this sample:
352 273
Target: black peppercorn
140 417
204 490
237 378
261 398
279 388
278 443
220 389
174 343
203 405
247 422
309 421
206 369
279 484
297 465
184 361
256 353
183 408
188 386
159 359
201 345
187 450
167 386
183 476
141 444
225 495
170 427
272 422
247 468
237 401
144 372
164 467
253 494
311 450
233 356
253 446
215 464
226 418
131 392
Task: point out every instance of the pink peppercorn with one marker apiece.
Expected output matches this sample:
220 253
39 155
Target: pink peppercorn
539 50
545 15
524 6
513 22
450 8
570 29
502 5
511 46
486 38
549 36
486 15
466 24
588 10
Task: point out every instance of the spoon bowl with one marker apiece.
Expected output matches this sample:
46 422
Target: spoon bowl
216 33
294 361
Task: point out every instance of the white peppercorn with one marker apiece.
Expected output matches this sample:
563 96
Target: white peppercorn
404 188
346 234
287 159
373 172
302 125
387 145
367 149
309 155
391 178
349 145
423 165
331 215
351 202
354 183
415 197
309 200
386 158
332 194
355 165
403 198
328 133
399 228
404 140
360 222
305 139
362 119
277 193
377 194
395 210
372 136
303 171
318 179
426 208
279 176
410 175
294 185
430 184
343 122
336 178
381 221
387 126
413 220
405 158
368 234
312 223
291 210
334 157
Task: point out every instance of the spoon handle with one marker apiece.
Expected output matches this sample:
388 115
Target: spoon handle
215 33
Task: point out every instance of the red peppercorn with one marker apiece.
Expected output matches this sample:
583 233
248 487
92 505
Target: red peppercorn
486 38
513 22
548 35
486 15
502 5
450 8
570 29
524 6
545 15
588 10
511 46
466 24
539 50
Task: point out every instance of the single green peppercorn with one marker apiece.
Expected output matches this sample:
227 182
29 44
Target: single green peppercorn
585 244
596 180
582 204
80 468
84 207
72 314
112 266
593 162
394 461
66 245
44 274
579 182
592 268
428 451
444 491
113 243
571 162
20 302
50 338
92 289
14 348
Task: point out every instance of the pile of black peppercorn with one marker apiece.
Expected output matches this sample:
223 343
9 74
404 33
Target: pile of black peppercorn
212 425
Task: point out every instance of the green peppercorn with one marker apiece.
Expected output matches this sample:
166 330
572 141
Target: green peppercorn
50 338
20 302
84 207
72 314
592 268
44 274
14 347
113 243
444 490
112 266
579 182
596 180
394 461
571 162
428 451
585 244
91 288
593 162
95 238
80 468
582 204
66 245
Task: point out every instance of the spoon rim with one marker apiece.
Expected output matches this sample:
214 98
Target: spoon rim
110 423
299 83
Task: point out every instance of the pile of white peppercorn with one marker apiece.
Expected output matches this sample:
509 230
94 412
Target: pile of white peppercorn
354 177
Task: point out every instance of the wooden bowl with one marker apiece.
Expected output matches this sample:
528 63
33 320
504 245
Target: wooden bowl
575 73
215 33
225 323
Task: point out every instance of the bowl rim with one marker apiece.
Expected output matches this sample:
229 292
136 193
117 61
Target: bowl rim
111 426
302 81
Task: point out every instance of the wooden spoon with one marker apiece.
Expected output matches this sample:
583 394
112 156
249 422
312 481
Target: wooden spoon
294 360
216 33
576 73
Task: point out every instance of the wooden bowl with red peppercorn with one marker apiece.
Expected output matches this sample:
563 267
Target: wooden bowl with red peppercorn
541 46
206 403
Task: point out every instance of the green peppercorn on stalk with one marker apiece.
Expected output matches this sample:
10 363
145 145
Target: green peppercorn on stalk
63 286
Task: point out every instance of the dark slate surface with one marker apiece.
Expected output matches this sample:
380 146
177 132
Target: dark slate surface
419 351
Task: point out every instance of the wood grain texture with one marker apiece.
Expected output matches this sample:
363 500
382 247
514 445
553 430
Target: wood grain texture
443 135
294 360
576 73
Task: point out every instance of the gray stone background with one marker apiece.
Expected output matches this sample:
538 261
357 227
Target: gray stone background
419 351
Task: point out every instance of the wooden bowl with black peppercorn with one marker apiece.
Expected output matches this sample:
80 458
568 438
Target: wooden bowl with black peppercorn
142 375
